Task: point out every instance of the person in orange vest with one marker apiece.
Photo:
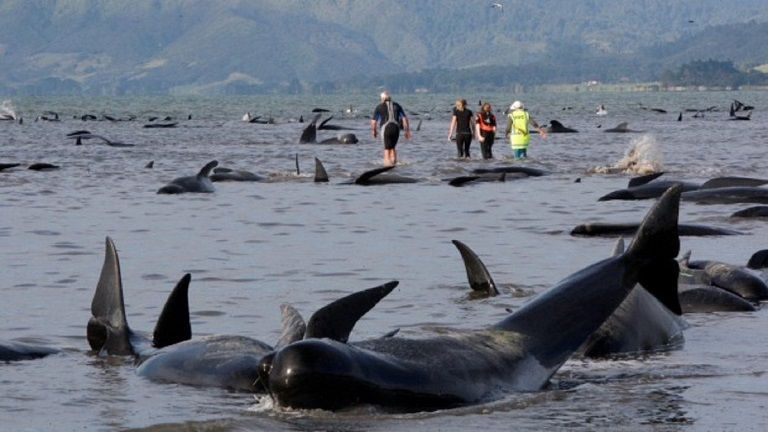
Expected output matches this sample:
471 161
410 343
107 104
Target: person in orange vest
486 130
519 135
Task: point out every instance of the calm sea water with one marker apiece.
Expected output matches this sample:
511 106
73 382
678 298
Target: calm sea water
253 246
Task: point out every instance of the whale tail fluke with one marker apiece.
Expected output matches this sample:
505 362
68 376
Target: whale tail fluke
336 320
655 247
173 325
206 171
108 329
479 278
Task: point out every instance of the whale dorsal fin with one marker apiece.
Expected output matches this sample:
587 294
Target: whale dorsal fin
293 325
336 320
108 328
655 246
622 126
477 274
364 177
173 325
321 175
637 181
685 259
618 248
207 169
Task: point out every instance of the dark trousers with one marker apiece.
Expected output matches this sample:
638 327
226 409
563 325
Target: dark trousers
486 144
463 142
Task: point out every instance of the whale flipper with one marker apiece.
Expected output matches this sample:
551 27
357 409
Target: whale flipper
293 325
320 174
108 329
364 177
173 325
477 274
637 181
336 320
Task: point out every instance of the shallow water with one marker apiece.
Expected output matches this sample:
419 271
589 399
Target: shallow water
253 246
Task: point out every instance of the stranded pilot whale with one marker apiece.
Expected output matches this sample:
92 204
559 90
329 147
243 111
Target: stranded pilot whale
16 351
171 355
640 324
520 353
197 183
645 187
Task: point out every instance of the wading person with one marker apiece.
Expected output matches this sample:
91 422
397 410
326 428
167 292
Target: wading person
389 117
461 123
518 132
486 130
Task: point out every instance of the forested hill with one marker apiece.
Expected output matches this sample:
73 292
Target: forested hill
196 46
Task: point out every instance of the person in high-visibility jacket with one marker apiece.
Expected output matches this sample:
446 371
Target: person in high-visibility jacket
517 129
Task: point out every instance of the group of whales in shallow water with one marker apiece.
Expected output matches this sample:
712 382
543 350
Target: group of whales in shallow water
628 303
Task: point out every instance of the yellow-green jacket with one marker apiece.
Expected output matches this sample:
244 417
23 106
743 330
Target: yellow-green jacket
518 125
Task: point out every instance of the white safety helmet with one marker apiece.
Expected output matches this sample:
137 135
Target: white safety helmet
516 105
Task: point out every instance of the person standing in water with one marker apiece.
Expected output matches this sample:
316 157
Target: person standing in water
461 123
390 117
519 135
486 130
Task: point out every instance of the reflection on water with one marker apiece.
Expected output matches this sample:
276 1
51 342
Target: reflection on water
253 246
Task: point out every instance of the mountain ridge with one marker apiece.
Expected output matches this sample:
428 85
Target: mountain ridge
190 46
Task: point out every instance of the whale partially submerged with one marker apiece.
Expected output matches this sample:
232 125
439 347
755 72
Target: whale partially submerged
170 354
380 176
520 353
18 351
598 229
200 183
646 187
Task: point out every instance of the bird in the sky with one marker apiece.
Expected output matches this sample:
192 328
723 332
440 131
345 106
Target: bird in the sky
498 6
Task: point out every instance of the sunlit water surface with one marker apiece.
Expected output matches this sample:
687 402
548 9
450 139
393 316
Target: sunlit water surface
253 246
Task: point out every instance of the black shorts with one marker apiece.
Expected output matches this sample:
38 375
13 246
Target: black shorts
390 134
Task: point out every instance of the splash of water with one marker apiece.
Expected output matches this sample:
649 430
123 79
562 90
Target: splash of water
6 109
644 156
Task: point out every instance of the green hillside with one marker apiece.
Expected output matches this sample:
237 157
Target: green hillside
239 46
